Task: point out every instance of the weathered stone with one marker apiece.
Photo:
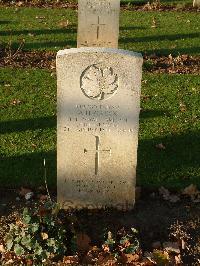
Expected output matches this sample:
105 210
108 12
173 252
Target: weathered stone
98 120
98 23
196 3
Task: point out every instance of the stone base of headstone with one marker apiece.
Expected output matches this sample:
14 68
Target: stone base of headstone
98 121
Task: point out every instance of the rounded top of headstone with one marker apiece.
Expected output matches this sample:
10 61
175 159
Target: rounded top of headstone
98 50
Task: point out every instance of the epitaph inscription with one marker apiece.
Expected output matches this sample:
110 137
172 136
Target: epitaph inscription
98 120
98 23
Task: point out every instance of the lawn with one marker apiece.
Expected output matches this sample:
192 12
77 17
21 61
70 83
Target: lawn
170 115
168 151
45 29
169 134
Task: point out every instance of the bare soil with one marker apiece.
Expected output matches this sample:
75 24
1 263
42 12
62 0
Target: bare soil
182 64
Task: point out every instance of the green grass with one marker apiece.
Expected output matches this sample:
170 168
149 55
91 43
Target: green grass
176 32
28 129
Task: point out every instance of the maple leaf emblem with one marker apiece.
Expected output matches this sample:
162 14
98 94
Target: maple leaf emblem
99 83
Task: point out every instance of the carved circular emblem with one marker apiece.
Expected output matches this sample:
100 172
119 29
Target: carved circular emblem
98 82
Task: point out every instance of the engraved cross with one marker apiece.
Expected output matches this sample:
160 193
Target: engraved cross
98 27
97 153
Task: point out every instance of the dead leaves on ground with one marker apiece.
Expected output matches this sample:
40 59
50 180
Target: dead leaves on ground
97 257
16 102
191 192
166 195
167 253
83 242
28 194
182 64
160 146
64 23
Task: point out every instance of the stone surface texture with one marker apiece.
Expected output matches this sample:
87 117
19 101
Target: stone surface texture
98 121
196 3
98 23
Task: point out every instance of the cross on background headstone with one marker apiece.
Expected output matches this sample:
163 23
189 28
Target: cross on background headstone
98 26
98 23
97 153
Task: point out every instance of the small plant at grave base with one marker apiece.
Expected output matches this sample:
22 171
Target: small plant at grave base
148 65
37 237
123 243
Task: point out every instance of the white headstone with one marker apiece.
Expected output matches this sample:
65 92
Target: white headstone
98 23
196 3
98 120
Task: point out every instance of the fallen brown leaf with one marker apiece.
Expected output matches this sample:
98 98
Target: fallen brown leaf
29 262
182 107
44 236
164 193
92 255
43 197
20 3
71 260
191 190
23 191
156 245
2 250
106 259
171 247
40 17
154 23
178 259
168 196
16 102
130 258
31 34
83 242
160 146
144 81
148 259
145 97
64 23
43 211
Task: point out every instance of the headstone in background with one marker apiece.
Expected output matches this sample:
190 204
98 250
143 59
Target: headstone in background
98 120
98 23
196 3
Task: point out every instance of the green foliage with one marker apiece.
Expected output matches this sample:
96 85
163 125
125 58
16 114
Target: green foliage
148 65
36 236
122 242
161 258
